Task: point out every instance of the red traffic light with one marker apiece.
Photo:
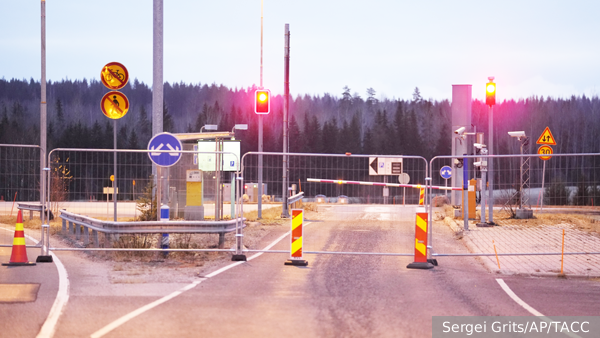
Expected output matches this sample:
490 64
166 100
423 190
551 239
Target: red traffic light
262 101
490 93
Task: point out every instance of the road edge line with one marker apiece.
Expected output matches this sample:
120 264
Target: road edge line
62 296
122 320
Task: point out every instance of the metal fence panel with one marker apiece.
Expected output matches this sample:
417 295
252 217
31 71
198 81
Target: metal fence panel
351 215
19 180
80 182
564 184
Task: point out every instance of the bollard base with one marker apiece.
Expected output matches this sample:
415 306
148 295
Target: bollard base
420 265
19 264
44 259
432 261
238 258
296 262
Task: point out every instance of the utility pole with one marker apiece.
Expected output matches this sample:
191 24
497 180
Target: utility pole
43 110
286 108
157 87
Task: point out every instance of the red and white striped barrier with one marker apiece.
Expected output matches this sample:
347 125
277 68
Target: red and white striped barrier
397 185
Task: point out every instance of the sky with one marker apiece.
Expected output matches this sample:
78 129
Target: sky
531 47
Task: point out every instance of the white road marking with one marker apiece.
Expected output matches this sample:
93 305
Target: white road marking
141 310
526 306
108 328
62 296
518 300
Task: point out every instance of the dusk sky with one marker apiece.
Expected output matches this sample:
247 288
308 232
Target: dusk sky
544 48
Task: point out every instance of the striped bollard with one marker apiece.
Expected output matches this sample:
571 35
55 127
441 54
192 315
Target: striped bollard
420 242
296 239
422 197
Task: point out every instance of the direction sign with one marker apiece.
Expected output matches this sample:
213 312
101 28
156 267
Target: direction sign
164 141
545 150
446 172
546 138
114 105
385 166
114 76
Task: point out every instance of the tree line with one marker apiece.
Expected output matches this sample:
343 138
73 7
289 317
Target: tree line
327 123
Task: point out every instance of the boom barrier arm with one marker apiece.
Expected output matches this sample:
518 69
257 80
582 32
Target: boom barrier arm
397 185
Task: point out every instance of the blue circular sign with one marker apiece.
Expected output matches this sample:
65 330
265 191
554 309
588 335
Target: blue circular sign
162 142
446 172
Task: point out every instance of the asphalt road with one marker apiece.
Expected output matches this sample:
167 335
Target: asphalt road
335 296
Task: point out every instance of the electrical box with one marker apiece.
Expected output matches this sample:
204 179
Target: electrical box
251 189
194 209
193 187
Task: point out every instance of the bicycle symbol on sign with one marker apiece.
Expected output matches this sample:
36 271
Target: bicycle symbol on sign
109 75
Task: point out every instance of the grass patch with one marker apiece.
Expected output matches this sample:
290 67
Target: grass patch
34 224
269 216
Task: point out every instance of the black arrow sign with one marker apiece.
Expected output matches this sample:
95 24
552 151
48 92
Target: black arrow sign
374 165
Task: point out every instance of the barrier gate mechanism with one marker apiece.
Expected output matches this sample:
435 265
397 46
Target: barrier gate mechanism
421 261
296 239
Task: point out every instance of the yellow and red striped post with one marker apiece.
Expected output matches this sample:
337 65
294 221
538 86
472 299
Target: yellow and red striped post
296 239
19 250
422 197
420 261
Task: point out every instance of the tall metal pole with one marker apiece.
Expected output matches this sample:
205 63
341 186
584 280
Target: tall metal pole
491 164
157 84
286 105
43 125
43 106
260 121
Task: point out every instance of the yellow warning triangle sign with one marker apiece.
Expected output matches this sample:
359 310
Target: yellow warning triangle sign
546 138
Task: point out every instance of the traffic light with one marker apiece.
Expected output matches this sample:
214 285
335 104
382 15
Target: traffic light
490 93
262 100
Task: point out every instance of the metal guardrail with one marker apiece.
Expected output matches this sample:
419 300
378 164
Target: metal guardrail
137 227
31 207
295 198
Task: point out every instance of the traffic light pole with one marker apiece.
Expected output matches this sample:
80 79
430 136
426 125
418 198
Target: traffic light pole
491 164
260 121
260 164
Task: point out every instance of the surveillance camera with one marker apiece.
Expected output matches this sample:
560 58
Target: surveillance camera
479 145
477 164
459 131
458 162
516 133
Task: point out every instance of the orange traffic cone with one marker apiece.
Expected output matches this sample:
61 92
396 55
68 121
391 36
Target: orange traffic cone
19 251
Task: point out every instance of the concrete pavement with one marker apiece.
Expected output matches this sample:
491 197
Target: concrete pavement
517 236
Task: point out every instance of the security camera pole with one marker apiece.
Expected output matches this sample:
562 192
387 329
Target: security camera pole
490 100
